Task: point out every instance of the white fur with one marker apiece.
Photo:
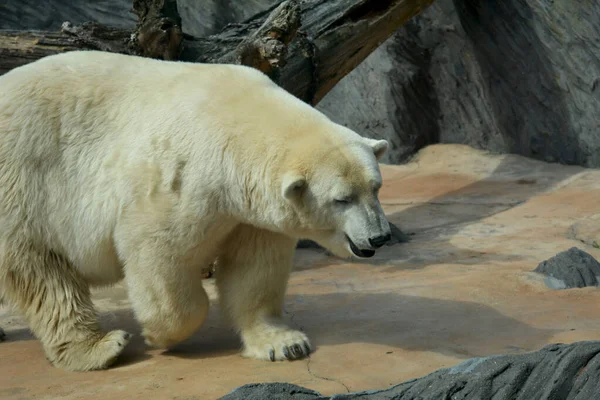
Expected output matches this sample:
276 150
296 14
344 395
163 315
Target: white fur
117 167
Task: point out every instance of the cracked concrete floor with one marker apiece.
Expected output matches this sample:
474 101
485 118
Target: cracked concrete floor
461 288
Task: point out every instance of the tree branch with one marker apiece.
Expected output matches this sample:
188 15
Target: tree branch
266 48
158 32
100 37
19 48
335 37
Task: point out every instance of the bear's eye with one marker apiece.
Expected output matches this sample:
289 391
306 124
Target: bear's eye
344 200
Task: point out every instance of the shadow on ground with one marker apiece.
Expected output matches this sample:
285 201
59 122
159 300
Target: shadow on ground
405 322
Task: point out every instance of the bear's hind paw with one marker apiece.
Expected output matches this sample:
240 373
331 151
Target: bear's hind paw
89 355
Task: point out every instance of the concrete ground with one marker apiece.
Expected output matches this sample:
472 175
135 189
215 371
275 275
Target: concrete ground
462 287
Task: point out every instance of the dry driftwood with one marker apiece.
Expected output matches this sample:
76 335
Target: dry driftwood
307 47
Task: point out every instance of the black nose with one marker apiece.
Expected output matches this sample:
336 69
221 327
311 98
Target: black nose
379 241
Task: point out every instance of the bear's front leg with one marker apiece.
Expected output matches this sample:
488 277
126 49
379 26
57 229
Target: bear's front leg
252 278
164 282
167 296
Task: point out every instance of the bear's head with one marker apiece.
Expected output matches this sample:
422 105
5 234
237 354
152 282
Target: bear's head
334 197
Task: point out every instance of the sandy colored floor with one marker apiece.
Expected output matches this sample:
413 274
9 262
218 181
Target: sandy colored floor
462 287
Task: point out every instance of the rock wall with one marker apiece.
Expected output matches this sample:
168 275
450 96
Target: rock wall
517 76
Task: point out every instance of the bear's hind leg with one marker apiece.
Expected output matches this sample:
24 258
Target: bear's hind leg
57 305
252 277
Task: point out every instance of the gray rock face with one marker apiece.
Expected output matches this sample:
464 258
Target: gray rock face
573 268
272 391
556 372
540 61
516 76
198 18
50 14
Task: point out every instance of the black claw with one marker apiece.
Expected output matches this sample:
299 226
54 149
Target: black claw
297 351
292 351
306 348
286 352
272 354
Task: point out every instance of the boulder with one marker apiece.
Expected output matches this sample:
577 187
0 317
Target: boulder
557 371
573 268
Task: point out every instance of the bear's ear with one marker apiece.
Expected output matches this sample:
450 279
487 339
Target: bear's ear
379 147
292 185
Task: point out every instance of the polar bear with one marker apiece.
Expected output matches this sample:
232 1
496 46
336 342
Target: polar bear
116 167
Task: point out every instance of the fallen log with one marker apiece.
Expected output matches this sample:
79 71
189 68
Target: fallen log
306 47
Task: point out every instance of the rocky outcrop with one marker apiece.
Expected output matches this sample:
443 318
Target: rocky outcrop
516 76
556 372
573 268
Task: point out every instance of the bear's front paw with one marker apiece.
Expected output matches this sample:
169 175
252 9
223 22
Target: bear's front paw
275 343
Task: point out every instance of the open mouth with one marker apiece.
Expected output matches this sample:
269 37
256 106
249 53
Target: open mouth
365 253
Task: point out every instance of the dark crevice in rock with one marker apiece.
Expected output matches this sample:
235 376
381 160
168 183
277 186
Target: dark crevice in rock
366 10
413 92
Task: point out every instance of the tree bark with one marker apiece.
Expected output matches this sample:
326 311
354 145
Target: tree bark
305 47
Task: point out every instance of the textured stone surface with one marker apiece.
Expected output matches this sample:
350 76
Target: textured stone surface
198 18
588 231
555 372
573 268
462 287
50 14
272 391
519 76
